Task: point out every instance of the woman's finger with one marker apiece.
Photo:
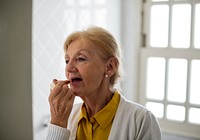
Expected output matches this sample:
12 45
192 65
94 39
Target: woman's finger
63 91
69 102
57 87
69 94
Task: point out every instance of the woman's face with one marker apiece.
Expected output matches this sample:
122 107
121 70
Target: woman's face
84 68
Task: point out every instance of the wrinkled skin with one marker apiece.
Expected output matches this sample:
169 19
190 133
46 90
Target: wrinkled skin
61 100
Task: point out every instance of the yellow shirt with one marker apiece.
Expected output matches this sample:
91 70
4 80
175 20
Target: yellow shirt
97 127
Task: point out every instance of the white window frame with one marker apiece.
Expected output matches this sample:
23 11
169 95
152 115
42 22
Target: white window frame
174 127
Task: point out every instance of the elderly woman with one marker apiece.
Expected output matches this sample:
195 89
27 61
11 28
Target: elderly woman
92 68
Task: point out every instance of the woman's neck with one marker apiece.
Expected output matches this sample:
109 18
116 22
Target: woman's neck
97 101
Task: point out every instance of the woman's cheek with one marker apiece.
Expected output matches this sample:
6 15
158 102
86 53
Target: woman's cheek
66 74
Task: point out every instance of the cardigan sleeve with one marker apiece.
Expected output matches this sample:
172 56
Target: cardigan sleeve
57 133
148 127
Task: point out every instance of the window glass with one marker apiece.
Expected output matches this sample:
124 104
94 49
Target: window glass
175 112
195 82
159 26
155 78
181 15
194 115
197 27
177 80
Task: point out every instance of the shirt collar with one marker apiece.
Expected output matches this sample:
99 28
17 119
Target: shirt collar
105 116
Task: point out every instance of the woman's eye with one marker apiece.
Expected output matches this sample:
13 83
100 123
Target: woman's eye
81 59
66 61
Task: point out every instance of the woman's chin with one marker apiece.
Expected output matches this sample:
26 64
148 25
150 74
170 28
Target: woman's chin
76 92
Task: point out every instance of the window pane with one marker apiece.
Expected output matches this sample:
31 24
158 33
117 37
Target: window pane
159 26
155 78
156 108
195 82
197 27
175 112
181 15
194 115
177 80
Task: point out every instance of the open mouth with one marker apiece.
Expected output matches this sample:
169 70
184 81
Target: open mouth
76 80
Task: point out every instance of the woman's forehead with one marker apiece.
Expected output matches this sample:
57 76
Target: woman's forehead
82 45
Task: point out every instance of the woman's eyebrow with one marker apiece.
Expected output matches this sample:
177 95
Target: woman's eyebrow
82 51
85 50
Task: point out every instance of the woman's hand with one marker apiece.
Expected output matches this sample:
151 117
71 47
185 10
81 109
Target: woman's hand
61 101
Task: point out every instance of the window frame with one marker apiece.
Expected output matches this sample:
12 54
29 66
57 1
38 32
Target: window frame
168 126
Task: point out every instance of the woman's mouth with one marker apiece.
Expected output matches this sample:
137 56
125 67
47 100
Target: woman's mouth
76 80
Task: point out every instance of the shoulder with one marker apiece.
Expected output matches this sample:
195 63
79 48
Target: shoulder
138 113
136 119
134 110
131 106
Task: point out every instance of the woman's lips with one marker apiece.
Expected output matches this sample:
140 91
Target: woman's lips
75 81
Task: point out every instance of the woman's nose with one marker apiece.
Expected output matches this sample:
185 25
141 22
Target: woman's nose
71 67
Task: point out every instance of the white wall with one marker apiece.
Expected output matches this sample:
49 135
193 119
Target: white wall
130 38
15 70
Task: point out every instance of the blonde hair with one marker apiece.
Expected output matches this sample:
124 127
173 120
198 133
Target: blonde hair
105 41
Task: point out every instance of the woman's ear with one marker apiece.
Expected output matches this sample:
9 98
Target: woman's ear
111 66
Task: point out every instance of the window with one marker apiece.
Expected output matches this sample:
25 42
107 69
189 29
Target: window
170 64
52 22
